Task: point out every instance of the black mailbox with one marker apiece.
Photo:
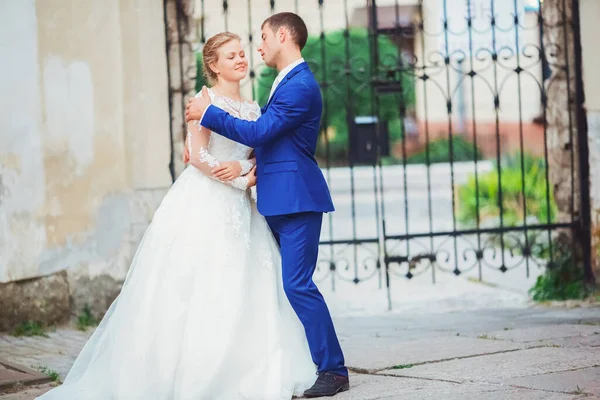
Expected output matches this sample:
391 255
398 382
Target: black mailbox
365 138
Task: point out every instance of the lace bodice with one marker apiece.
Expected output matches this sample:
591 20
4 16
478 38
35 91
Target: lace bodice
207 149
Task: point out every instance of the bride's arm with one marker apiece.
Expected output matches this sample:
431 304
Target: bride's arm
198 141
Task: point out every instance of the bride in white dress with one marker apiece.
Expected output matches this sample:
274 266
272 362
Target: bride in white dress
202 313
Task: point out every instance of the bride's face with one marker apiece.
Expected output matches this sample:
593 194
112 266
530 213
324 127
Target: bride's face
232 64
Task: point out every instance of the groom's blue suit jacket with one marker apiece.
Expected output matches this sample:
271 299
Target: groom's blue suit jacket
285 139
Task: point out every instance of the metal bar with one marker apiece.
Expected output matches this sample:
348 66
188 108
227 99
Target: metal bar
250 48
202 22
484 230
545 112
348 241
378 189
167 50
472 75
426 130
178 7
463 232
497 115
350 109
585 219
378 180
450 133
226 14
402 115
521 140
324 124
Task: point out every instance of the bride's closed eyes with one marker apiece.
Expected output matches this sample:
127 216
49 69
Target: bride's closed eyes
232 55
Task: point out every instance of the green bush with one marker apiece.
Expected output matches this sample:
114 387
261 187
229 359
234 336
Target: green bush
86 319
564 278
30 328
513 200
439 152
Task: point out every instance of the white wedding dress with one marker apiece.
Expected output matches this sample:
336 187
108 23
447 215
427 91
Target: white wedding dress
202 314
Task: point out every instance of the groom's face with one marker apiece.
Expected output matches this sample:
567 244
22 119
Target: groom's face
269 47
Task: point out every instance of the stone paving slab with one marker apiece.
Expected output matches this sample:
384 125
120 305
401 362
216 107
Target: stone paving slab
501 367
373 354
28 394
538 333
12 374
372 387
416 338
575 341
56 352
586 380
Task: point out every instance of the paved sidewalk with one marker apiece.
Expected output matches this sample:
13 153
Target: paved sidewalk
518 353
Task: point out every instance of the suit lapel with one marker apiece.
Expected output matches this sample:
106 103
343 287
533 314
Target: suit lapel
289 76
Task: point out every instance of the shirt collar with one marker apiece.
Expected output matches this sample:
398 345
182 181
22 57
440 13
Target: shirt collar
288 68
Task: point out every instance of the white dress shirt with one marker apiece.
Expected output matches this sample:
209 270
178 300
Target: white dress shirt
282 74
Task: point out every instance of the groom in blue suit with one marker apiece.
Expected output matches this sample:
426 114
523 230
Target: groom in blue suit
292 192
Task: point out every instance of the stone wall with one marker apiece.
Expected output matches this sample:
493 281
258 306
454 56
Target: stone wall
84 147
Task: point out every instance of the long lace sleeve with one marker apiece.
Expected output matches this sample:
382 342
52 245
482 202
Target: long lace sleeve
247 165
198 145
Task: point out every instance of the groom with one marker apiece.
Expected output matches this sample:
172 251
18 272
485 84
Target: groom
292 192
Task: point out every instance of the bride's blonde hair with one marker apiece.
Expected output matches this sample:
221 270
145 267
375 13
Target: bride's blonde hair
210 55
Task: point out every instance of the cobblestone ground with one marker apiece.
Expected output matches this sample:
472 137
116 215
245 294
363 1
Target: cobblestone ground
509 353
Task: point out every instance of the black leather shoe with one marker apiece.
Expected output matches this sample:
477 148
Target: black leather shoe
328 384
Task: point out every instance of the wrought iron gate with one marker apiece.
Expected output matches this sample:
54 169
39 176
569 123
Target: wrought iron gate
445 130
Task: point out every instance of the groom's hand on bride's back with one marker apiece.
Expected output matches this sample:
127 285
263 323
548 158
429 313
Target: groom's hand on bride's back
196 106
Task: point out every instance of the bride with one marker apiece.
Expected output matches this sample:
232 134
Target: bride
202 313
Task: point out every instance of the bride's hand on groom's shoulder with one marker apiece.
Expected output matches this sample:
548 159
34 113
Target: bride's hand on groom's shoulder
197 105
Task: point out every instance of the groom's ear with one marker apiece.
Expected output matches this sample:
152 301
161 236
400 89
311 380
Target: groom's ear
281 34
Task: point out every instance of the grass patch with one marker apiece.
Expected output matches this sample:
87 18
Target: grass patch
86 320
578 390
403 366
487 337
472 279
29 328
590 323
51 373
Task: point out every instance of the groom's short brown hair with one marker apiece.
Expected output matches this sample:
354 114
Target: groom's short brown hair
291 22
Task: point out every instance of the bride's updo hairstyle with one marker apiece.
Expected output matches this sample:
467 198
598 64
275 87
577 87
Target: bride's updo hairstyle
210 53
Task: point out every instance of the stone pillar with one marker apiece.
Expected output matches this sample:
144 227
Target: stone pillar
590 15
560 112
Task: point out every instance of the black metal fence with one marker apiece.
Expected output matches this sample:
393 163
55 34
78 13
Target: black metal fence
436 139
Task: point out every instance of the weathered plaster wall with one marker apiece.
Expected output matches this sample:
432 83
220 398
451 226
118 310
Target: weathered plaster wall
84 138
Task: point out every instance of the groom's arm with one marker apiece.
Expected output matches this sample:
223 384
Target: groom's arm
283 115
